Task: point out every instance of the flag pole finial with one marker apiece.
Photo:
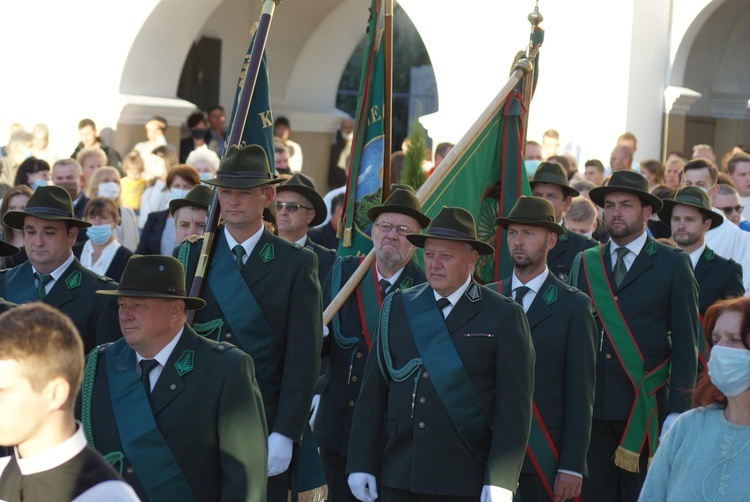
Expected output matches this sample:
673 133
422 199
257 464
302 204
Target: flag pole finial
536 17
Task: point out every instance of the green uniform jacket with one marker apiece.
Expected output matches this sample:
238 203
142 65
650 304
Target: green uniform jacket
424 453
326 259
718 279
287 290
564 335
560 258
74 294
210 417
659 300
336 412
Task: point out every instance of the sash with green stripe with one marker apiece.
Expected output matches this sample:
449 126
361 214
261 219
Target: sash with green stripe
643 423
142 442
447 372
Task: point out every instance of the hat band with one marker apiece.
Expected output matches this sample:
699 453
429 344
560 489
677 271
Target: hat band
145 288
48 210
696 201
527 219
447 232
244 174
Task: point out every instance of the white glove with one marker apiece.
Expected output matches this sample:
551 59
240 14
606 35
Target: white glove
667 424
495 494
314 409
325 331
363 486
279 453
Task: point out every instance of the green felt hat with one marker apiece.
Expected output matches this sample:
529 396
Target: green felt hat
534 212
554 174
402 200
305 186
452 224
47 203
199 196
690 196
154 276
626 182
244 167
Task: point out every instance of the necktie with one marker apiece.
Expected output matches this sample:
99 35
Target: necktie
384 285
620 269
43 281
147 365
442 303
239 253
520 293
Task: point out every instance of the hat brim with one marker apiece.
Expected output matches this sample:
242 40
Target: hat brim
321 211
597 196
176 204
190 302
665 215
239 182
481 247
504 223
7 249
569 190
15 219
376 211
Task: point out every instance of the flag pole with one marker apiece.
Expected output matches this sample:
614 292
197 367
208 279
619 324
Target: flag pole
388 98
528 84
235 134
521 68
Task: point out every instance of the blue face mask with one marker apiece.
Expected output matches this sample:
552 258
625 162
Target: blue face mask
39 183
99 234
205 176
531 166
177 193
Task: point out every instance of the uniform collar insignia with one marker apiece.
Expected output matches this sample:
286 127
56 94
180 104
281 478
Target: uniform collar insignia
184 364
651 248
73 280
267 253
474 294
709 254
550 296
406 284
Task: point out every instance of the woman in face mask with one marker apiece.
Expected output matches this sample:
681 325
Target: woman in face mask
105 182
157 167
33 173
158 236
14 199
102 252
705 455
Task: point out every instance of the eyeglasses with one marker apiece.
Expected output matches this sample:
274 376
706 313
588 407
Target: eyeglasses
731 209
386 228
292 207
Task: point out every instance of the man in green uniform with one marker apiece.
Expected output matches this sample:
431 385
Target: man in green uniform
564 333
180 415
646 302
353 326
445 407
262 294
551 182
52 274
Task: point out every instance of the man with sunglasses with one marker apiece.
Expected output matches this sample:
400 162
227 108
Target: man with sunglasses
727 200
298 207
352 329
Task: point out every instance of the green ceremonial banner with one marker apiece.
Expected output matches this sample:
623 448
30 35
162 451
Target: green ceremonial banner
364 182
258 128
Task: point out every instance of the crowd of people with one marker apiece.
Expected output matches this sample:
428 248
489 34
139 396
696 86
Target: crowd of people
217 379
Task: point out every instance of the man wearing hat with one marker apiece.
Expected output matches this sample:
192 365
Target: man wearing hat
53 274
646 302
564 334
353 327
551 182
190 213
299 207
180 416
445 407
690 217
262 294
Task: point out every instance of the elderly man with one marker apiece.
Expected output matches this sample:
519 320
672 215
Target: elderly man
181 414
564 334
41 366
445 407
189 213
53 274
353 326
690 217
263 295
551 183
299 206
646 302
